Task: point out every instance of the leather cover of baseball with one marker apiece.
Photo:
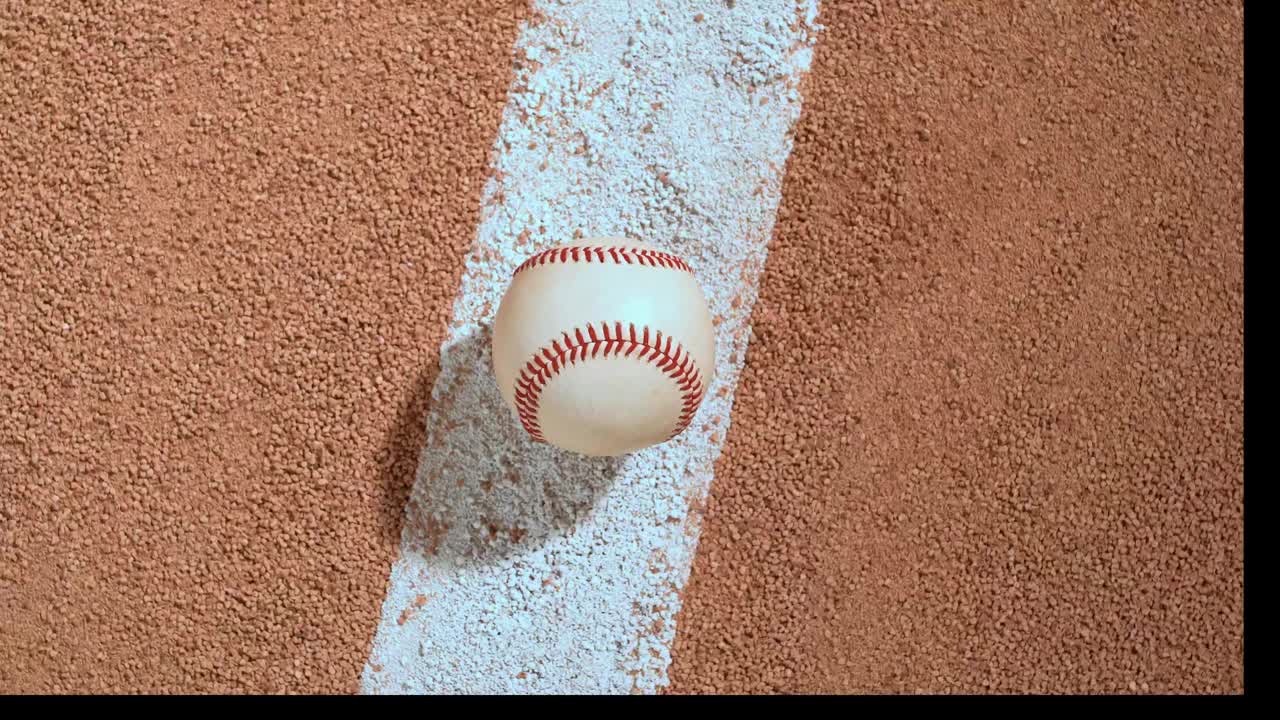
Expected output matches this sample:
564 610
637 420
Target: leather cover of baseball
604 346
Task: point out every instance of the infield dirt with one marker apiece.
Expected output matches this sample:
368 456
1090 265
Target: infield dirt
988 437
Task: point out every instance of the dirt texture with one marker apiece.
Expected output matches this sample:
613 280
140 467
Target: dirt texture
989 437
230 237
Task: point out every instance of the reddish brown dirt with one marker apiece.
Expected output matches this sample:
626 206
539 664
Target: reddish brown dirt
989 436
230 236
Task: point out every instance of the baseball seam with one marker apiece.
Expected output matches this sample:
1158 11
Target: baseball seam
605 253
592 341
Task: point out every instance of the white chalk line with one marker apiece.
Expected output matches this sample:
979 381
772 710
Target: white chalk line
524 569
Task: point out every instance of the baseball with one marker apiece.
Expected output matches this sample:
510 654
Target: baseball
604 346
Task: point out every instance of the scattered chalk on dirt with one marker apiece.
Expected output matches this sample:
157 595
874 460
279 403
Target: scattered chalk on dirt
989 434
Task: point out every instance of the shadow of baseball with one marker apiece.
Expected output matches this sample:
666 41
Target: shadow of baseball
484 491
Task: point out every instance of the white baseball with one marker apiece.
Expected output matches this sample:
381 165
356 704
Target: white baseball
604 346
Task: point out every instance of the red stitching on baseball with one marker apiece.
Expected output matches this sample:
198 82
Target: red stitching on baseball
548 361
618 255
